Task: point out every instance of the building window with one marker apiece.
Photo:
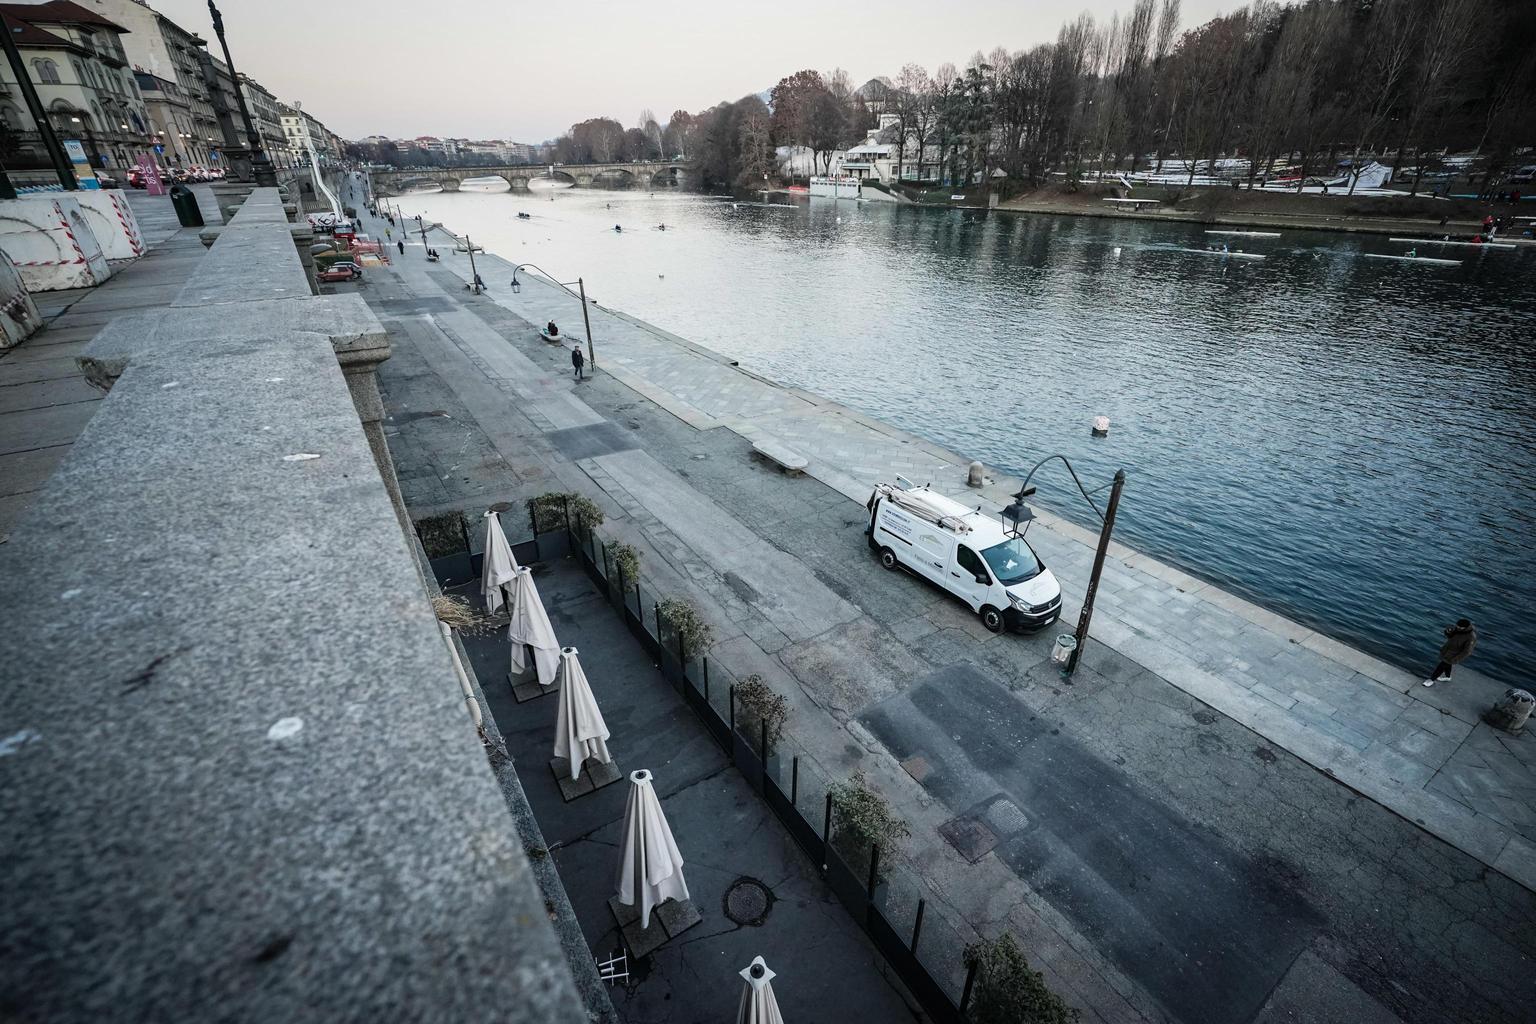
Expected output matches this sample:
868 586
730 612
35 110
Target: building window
47 71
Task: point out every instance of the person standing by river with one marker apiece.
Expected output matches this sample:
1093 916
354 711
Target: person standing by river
1460 639
577 360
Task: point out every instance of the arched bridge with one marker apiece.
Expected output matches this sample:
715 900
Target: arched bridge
638 172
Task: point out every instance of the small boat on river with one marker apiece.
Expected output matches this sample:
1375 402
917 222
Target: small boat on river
1247 234
1456 241
1412 259
1231 254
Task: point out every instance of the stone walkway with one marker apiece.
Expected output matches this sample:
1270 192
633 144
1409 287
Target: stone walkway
44 400
1424 753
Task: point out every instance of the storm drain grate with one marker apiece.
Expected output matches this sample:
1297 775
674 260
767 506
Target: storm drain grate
748 901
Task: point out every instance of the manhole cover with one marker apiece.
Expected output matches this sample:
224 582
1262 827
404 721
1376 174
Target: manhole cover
748 901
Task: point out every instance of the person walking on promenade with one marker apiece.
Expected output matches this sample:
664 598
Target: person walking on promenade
1460 639
577 360
401 244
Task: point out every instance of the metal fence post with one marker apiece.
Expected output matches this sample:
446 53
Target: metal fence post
762 739
826 826
874 870
970 980
794 780
567 503
706 680
917 925
607 572
733 709
639 606
656 607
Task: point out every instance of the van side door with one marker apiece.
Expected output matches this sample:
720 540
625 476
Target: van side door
969 577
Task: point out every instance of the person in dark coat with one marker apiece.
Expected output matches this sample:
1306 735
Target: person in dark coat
577 360
401 244
1460 639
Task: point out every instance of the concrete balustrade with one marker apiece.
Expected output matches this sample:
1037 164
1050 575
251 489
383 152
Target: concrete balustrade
236 771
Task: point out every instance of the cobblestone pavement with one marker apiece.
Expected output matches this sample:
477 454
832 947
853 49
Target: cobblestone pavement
1160 852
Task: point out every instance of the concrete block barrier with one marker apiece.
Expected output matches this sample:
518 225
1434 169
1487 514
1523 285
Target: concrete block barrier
113 223
50 242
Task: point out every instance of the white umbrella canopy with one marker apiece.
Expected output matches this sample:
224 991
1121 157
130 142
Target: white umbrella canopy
530 628
499 564
757 1003
580 732
650 864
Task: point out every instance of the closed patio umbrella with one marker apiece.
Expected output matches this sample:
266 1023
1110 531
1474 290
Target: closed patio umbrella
650 865
579 729
757 1003
530 628
499 565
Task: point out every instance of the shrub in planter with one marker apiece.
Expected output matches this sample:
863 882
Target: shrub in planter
628 561
548 512
861 818
1008 990
758 705
685 623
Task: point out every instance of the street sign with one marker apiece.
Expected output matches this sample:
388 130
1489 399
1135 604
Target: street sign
160 148
153 185
83 172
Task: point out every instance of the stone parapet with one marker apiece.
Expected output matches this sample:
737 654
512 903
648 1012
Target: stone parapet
236 766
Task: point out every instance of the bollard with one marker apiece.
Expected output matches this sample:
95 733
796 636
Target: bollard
1512 711
974 477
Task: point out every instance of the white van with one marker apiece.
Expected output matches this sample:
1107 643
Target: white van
965 552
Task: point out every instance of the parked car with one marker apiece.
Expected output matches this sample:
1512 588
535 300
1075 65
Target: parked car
341 272
965 553
1523 175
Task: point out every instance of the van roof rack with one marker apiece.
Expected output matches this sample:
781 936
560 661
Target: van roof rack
928 506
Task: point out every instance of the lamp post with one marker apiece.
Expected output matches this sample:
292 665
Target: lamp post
580 294
474 275
261 164
1018 512
56 155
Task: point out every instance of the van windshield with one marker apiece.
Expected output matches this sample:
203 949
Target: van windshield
1012 561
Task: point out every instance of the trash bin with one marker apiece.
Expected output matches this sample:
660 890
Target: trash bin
186 207
1066 643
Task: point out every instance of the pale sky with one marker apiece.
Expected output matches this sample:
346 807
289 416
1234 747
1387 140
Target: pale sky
528 71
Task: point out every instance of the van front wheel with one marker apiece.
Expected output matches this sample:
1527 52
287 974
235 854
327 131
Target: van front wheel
888 559
992 619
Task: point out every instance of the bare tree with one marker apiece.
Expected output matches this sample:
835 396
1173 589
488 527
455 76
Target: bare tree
1394 37
1449 29
907 102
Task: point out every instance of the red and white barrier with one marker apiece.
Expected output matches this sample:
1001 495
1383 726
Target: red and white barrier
113 223
18 314
48 239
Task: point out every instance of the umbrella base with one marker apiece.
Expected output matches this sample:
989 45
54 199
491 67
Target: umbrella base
529 689
668 921
594 776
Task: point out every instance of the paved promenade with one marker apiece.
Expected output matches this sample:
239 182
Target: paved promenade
1422 752
1172 853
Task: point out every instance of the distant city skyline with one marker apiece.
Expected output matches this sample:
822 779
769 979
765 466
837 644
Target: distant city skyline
480 70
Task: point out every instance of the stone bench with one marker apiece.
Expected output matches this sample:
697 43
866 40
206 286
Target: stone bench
791 462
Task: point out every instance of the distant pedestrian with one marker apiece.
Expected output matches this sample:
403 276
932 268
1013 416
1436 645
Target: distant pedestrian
1460 639
577 360
401 244
388 234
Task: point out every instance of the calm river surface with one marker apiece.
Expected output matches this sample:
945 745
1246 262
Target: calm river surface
1351 441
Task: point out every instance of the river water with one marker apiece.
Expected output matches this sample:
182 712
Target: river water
1347 440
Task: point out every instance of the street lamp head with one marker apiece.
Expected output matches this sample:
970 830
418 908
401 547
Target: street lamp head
1018 513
